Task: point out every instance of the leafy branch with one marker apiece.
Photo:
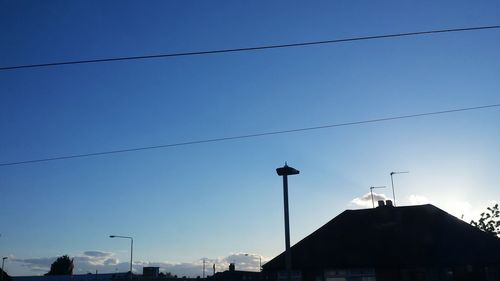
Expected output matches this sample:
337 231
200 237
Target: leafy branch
489 221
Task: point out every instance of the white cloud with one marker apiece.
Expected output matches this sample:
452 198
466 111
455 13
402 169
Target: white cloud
418 200
96 259
89 261
366 200
458 208
36 265
97 254
243 261
105 262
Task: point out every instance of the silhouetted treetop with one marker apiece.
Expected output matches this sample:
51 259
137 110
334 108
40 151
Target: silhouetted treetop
489 221
62 266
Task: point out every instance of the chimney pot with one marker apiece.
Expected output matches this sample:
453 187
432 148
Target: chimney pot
381 203
389 203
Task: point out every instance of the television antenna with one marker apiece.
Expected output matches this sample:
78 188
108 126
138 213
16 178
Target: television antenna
392 183
371 192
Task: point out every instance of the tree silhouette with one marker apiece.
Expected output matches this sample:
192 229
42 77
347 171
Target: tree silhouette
489 221
5 276
166 275
62 266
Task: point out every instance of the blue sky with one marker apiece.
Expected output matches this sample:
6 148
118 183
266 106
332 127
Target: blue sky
222 200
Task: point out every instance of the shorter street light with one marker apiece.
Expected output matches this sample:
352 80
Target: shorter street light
131 249
3 261
260 261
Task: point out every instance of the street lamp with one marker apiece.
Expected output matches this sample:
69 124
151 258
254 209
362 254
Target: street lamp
3 261
392 183
260 261
371 191
204 259
131 249
286 171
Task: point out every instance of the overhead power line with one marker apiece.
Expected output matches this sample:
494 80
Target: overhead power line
193 142
248 49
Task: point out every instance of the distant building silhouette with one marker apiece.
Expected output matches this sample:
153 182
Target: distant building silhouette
236 275
417 243
150 272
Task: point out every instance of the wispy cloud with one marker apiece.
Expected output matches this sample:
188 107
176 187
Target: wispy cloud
418 199
366 200
242 261
456 207
105 262
35 265
97 254
88 261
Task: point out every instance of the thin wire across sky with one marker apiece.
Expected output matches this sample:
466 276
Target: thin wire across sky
247 136
249 49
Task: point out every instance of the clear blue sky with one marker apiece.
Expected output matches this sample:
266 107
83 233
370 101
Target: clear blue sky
221 199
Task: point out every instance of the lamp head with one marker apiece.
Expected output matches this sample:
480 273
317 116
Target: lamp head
405 172
287 171
112 236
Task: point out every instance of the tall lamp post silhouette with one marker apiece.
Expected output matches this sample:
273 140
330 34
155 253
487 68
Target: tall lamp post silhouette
131 249
284 172
3 261
371 192
392 183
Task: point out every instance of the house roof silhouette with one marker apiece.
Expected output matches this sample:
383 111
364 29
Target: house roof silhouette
389 236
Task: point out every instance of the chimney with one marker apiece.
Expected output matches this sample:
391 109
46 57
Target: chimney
381 203
231 267
388 203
